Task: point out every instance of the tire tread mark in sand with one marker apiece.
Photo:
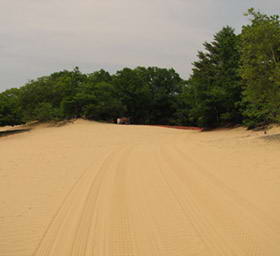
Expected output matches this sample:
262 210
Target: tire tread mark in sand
259 215
80 242
63 205
86 220
200 172
229 249
201 225
154 234
122 239
158 243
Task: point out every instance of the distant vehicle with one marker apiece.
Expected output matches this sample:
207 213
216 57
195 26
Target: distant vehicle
123 120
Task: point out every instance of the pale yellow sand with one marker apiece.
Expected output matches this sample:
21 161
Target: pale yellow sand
106 190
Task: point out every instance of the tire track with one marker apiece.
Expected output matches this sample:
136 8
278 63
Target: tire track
146 194
95 216
226 213
232 193
164 228
121 237
73 203
186 198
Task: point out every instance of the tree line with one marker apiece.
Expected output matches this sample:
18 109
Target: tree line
235 80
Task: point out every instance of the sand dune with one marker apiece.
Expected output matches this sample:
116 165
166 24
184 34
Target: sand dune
106 190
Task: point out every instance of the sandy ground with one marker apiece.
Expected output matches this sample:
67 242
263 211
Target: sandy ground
106 190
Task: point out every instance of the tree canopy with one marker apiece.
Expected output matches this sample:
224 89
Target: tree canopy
260 68
215 82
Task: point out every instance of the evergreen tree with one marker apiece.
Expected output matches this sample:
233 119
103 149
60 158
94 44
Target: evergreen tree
215 83
260 69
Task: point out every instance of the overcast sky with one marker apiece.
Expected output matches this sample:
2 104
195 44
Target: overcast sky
39 37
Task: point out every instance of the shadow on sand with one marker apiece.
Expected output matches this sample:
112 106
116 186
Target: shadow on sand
12 132
272 138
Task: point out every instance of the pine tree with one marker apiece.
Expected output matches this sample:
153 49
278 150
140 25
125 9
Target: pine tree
215 82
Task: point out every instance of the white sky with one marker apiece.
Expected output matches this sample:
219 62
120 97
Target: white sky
39 37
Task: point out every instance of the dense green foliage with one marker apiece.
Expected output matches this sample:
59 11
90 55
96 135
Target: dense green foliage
235 80
10 109
146 95
215 83
260 69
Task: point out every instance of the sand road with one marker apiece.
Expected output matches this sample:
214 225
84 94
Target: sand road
106 190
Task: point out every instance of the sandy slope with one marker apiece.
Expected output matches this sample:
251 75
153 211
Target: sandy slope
97 189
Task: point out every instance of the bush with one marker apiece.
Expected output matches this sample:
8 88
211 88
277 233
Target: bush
46 112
